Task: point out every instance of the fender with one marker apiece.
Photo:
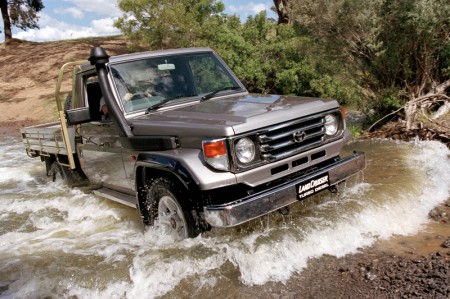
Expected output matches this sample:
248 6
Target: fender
165 164
161 164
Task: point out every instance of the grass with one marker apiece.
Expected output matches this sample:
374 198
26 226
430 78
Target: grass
355 129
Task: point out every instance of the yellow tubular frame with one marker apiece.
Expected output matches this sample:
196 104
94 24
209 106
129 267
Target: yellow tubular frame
62 116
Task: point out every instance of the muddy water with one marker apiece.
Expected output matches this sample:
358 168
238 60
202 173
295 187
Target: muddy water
61 242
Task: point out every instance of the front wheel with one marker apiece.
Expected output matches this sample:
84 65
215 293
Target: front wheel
167 210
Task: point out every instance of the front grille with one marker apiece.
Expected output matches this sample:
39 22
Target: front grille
290 138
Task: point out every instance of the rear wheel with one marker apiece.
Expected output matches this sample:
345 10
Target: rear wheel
167 208
56 171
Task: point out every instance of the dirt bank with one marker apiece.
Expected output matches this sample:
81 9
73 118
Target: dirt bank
402 267
29 71
12 128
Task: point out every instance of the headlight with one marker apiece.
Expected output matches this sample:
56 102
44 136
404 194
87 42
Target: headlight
245 150
331 125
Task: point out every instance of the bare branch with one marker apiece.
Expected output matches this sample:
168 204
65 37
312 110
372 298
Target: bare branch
384 117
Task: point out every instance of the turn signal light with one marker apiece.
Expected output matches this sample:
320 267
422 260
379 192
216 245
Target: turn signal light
215 153
214 149
343 112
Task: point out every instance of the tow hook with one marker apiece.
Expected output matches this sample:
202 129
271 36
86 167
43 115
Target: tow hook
284 211
332 189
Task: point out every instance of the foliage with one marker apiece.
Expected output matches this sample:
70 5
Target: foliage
355 129
266 61
386 102
162 24
328 86
23 13
270 58
397 50
20 13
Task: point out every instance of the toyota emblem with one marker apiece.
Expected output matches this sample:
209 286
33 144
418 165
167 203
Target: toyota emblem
299 136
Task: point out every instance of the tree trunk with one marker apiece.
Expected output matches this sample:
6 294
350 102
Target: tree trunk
6 20
281 7
410 114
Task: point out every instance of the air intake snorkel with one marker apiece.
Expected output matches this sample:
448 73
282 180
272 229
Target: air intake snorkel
99 58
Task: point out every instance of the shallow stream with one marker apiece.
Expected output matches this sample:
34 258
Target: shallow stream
59 242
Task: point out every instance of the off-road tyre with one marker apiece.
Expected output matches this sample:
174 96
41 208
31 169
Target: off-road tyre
166 206
73 178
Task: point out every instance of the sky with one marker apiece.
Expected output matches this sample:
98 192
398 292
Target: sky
69 19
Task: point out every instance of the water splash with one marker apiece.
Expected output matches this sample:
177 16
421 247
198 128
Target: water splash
62 242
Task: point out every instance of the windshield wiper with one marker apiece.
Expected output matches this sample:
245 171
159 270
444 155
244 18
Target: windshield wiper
213 93
162 103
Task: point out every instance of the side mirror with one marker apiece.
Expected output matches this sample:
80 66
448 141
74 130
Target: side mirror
78 116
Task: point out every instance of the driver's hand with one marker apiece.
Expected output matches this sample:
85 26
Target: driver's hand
148 93
127 96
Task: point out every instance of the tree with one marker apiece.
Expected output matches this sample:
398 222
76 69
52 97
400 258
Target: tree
399 50
161 24
19 13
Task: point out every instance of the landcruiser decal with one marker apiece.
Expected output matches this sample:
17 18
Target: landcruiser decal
313 186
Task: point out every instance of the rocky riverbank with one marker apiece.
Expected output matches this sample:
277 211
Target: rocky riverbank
402 267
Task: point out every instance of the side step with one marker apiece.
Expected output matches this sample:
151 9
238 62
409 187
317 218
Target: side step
116 196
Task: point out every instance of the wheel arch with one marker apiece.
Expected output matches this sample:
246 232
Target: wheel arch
73 177
63 161
151 166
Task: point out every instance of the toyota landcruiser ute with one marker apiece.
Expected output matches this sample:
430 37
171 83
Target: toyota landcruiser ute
184 142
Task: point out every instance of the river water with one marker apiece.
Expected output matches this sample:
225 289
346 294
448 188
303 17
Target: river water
58 242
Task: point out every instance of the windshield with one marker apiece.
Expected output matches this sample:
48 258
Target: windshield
150 83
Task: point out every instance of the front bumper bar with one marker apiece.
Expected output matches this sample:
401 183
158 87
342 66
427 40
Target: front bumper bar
256 205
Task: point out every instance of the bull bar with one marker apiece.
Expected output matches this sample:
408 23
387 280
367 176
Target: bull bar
267 201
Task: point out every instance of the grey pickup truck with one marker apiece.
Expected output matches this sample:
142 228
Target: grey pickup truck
176 135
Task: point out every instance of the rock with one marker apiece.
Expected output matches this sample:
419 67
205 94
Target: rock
370 276
438 214
446 243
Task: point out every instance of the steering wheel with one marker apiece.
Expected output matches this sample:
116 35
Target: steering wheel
138 95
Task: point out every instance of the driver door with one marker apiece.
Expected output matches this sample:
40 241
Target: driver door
100 152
